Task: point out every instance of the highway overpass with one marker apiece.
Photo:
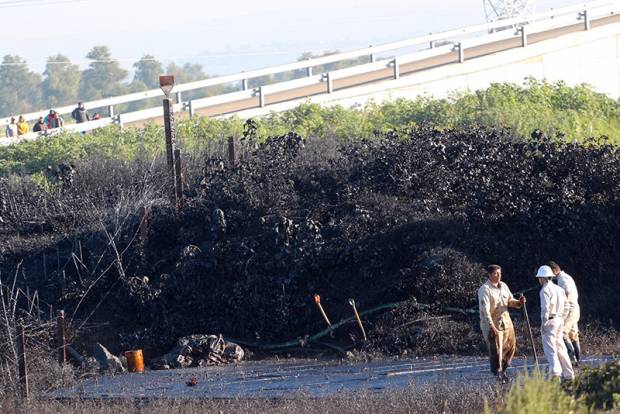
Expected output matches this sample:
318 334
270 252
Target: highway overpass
578 44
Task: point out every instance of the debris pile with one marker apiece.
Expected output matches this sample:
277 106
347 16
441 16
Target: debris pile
199 351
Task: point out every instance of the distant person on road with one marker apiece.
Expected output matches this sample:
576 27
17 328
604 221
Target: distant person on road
11 129
80 114
40 125
572 312
53 120
22 126
552 309
494 299
96 116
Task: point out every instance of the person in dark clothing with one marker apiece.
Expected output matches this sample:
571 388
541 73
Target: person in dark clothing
40 125
80 114
53 120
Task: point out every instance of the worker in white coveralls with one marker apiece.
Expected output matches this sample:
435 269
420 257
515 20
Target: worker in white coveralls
552 308
494 299
571 317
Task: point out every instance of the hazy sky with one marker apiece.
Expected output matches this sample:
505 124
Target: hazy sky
224 36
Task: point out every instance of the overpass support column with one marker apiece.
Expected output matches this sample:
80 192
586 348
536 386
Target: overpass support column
111 111
461 50
309 71
244 84
523 36
179 97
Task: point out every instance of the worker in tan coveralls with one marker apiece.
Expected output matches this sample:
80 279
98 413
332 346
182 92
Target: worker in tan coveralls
494 299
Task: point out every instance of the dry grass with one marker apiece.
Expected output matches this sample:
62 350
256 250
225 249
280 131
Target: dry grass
415 399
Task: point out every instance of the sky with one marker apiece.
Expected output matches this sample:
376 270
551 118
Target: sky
223 36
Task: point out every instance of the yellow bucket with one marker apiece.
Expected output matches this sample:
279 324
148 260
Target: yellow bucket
135 360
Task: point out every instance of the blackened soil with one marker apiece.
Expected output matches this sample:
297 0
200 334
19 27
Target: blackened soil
411 216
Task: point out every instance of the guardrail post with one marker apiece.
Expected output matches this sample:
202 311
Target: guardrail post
523 36
190 109
244 84
111 111
396 68
261 97
330 82
461 52
179 97
586 20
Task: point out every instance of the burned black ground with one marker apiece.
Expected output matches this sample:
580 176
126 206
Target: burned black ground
409 217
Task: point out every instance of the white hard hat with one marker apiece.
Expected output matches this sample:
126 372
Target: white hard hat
544 271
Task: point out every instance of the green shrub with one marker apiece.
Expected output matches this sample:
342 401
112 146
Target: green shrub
533 394
598 387
568 113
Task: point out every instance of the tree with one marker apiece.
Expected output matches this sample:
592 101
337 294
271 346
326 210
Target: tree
61 83
104 76
19 87
148 70
187 73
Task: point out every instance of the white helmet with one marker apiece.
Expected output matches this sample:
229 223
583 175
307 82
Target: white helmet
544 271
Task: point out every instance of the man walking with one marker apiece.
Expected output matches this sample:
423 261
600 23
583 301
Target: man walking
80 114
494 299
572 312
552 307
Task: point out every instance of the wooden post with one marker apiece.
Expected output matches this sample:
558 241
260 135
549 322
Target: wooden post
22 365
170 138
178 183
231 152
61 337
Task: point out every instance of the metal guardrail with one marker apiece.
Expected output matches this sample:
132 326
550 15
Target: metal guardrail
459 40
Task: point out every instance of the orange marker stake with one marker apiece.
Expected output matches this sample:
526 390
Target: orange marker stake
317 300
357 316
